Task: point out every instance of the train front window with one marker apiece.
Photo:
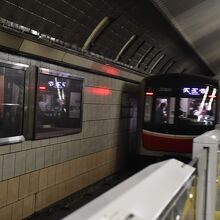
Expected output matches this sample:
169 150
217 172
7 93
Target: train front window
164 111
198 106
197 111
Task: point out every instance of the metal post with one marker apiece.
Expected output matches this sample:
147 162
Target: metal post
205 147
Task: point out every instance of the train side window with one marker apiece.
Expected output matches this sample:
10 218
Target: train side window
148 108
11 103
165 109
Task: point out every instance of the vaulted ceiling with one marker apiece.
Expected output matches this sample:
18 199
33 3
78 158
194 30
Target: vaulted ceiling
198 21
126 32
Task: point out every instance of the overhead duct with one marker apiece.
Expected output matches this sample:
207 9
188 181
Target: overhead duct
96 32
123 49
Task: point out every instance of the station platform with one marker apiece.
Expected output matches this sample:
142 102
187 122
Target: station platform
186 205
189 191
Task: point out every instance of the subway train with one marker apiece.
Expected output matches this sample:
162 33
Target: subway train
176 108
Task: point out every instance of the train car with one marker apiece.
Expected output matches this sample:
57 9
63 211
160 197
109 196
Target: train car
177 107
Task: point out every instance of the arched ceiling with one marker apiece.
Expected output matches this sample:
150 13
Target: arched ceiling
127 32
198 21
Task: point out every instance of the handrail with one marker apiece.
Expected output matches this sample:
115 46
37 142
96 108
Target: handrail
141 196
178 195
193 162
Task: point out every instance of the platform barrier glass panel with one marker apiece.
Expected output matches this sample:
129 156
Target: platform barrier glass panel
183 207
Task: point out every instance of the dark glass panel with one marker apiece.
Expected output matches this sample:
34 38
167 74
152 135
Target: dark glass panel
58 107
11 102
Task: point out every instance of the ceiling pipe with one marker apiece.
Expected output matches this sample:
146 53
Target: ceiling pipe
124 48
151 60
163 67
169 65
143 57
135 51
157 62
96 32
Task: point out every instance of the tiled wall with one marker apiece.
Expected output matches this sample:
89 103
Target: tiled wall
23 195
31 172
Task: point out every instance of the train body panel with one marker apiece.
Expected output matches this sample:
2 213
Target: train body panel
167 142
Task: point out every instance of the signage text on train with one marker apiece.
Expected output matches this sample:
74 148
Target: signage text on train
194 91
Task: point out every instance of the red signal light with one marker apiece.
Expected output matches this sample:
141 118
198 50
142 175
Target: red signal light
42 88
110 70
149 93
98 91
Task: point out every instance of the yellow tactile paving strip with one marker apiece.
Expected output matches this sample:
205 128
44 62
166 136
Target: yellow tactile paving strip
189 207
217 215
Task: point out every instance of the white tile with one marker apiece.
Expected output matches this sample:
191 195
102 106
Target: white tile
8 166
76 148
83 147
36 144
20 163
16 147
40 155
26 145
68 137
64 152
76 136
44 142
86 129
48 156
1 167
70 150
100 127
30 160
5 149
53 140
56 153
